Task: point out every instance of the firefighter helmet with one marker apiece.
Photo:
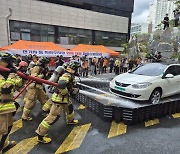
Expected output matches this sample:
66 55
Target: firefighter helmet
43 60
65 65
74 65
7 57
22 64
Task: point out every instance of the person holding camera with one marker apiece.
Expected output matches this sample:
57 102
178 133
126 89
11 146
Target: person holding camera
176 17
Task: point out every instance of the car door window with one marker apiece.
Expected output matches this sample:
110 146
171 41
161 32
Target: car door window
177 70
171 70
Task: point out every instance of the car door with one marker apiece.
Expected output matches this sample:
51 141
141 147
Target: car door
171 85
178 76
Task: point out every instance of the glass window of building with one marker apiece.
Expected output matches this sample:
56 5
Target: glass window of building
111 2
35 32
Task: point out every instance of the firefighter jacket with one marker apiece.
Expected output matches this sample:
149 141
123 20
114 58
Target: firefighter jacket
37 71
59 71
62 95
8 83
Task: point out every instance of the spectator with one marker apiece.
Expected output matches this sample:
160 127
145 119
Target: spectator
138 61
100 65
105 63
176 17
131 63
96 65
92 64
111 64
59 61
117 65
125 65
166 21
84 68
121 66
33 62
158 57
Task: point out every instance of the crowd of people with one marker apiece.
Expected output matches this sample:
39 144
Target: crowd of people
94 66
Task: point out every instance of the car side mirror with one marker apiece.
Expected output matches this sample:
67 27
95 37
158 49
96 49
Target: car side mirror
169 76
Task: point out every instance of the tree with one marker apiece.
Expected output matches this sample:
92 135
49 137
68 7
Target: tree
177 2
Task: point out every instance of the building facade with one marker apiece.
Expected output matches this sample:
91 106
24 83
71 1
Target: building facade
66 22
139 28
158 10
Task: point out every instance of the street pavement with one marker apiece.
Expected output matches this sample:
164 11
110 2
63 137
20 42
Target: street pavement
94 136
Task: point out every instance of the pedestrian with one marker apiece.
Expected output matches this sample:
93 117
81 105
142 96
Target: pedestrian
35 90
8 107
176 17
61 102
111 64
166 21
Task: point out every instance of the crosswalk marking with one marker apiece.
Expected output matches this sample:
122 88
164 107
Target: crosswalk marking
151 122
81 107
176 115
16 126
74 139
24 146
117 129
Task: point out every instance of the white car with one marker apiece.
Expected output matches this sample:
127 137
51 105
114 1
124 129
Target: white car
151 82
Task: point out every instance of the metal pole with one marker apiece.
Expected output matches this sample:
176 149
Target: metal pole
7 24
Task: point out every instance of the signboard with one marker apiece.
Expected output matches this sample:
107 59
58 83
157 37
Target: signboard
51 53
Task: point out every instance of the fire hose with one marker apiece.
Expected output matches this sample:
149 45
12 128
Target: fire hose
28 77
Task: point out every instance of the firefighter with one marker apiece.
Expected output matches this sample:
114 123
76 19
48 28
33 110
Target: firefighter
35 90
61 102
59 71
8 82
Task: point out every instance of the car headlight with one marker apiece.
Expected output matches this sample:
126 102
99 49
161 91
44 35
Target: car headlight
141 85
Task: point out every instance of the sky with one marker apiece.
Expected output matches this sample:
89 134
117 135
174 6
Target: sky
141 11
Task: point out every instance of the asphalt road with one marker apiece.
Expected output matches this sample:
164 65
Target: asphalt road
94 136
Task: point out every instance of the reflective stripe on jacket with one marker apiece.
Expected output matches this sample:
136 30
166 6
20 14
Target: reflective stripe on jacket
7 108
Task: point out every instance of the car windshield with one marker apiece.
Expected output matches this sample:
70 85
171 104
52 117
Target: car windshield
153 69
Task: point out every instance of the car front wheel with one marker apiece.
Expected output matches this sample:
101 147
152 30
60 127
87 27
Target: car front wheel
155 96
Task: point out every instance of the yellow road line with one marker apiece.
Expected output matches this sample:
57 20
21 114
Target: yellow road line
24 146
117 129
176 115
151 122
100 96
16 126
81 107
74 139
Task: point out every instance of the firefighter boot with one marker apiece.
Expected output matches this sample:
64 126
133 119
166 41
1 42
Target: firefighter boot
73 122
10 145
43 139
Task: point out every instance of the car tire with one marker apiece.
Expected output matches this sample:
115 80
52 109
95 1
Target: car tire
155 96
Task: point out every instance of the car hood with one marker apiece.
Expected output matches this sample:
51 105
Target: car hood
129 78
